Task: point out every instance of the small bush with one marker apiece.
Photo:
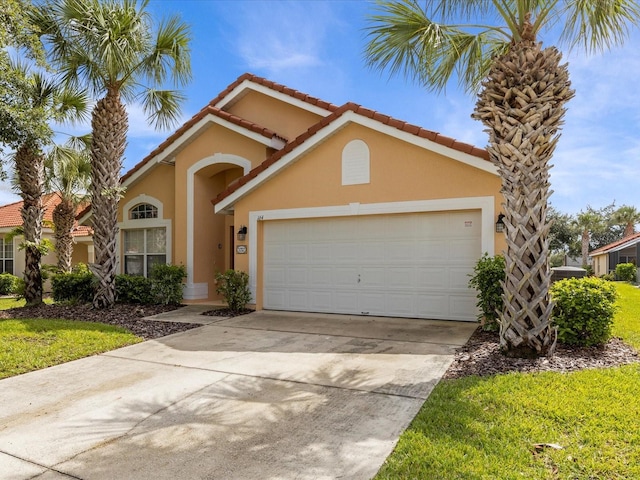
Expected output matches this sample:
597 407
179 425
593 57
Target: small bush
73 287
234 287
584 310
166 283
134 289
488 273
8 284
626 272
80 268
609 277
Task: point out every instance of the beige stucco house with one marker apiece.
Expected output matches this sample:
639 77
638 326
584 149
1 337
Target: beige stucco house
327 208
605 259
12 258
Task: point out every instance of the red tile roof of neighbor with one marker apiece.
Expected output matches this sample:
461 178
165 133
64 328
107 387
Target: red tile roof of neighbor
10 216
630 238
365 112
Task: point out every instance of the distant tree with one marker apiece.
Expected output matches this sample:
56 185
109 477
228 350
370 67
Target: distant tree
628 217
68 174
588 222
55 103
563 233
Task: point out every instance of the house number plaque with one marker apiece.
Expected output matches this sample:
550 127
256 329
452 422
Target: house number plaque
241 249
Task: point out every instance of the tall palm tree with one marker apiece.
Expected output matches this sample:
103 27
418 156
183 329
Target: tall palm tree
68 174
627 216
588 222
111 47
492 47
55 103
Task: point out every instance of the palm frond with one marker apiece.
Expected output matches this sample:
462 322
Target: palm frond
162 107
598 25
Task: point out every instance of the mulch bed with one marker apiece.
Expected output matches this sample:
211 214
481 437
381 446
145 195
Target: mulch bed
481 356
121 315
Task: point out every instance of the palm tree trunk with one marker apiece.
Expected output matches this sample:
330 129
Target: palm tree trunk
522 106
64 217
109 126
30 172
585 246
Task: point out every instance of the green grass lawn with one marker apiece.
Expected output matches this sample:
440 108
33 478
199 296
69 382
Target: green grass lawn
10 302
31 344
486 428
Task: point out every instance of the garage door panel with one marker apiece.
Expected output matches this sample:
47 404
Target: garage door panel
375 277
346 301
433 305
461 305
432 278
402 277
297 276
459 278
321 276
414 265
372 303
345 276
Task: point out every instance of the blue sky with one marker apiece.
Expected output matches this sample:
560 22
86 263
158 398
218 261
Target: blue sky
316 47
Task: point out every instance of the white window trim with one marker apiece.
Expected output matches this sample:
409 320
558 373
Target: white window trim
144 223
485 204
196 291
14 251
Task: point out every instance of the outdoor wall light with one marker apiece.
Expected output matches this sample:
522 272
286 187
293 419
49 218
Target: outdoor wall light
500 223
242 233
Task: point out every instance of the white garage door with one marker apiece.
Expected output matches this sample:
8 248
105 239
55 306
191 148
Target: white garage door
404 265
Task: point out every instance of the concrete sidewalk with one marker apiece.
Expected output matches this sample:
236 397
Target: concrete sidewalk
263 396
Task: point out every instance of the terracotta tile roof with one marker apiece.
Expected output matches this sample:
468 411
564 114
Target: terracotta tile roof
10 216
365 112
275 87
612 245
208 110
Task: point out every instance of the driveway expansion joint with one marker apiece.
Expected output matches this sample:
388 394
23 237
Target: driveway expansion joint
47 468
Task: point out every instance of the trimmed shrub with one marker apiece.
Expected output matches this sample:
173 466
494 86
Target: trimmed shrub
584 310
626 272
166 283
488 273
73 287
8 284
234 287
134 289
80 268
609 277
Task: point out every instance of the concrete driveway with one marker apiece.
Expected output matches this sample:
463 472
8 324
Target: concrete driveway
268 395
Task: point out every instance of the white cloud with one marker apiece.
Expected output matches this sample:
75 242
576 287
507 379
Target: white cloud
279 36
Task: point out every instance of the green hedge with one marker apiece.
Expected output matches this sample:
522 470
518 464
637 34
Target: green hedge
8 284
626 272
73 287
584 310
133 289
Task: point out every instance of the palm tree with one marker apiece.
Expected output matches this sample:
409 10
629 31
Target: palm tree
628 217
588 222
111 47
68 174
56 103
523 89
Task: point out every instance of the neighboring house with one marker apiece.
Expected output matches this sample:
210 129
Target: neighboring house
606 258
13 258
327 208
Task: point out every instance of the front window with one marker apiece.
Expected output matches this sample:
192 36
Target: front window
142 211
143 249
6 256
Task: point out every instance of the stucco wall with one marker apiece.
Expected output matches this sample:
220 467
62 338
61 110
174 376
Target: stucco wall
284 119
400 172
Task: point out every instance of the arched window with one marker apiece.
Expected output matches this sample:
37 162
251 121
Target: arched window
142 211
355 163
